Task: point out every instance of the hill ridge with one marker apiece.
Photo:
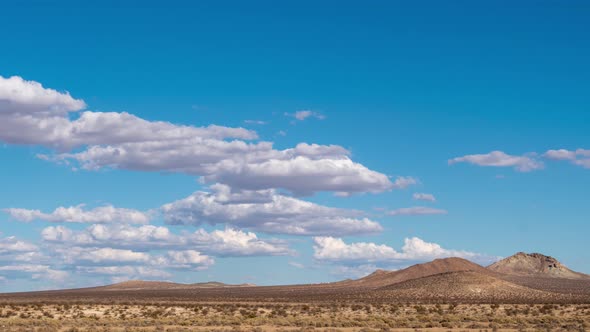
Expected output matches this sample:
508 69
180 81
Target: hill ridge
152 284
381 278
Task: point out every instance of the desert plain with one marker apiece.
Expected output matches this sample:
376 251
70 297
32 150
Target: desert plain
524 292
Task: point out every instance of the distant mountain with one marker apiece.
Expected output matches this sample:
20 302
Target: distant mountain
382 278
534 265
164 285
522 278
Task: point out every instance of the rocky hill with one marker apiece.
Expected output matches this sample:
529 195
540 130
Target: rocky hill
534 265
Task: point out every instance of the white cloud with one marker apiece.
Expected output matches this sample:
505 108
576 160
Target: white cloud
177 259
231 242
102 256
28 97
221 243
415 211
11 245
266 211
124 236
48 125
186 259
305 114
524 163
305 169
579 157
424 197
122 251
335 250
88 258
31 114
77 214
32 271
302 175
13 251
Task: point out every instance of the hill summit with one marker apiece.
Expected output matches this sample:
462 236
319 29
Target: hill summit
535 264
382 278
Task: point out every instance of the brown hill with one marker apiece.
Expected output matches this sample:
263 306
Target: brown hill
466 286
163 285
382 278
534 265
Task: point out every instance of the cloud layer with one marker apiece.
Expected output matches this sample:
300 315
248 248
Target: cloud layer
524 163
32 114
77 214
336 251
266 211
579 157
528 162
220 243
121 251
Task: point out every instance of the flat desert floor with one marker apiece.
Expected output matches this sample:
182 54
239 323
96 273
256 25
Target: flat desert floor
240 316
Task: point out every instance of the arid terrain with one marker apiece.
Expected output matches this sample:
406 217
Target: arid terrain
523 292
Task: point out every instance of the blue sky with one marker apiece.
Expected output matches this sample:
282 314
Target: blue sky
399 99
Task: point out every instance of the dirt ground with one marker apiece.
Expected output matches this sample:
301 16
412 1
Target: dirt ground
235 317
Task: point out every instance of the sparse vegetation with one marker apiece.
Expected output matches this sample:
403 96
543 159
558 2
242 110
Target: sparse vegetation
287 317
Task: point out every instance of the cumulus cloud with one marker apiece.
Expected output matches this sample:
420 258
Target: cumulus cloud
123 251
89 257
266 211
302 175
77 214
21 259
32 114
12 245
335 250
185 259
424 197
124 236
15 251
18 96
101 256
524 163
221 243
305 114
416 211
231 242
579 157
